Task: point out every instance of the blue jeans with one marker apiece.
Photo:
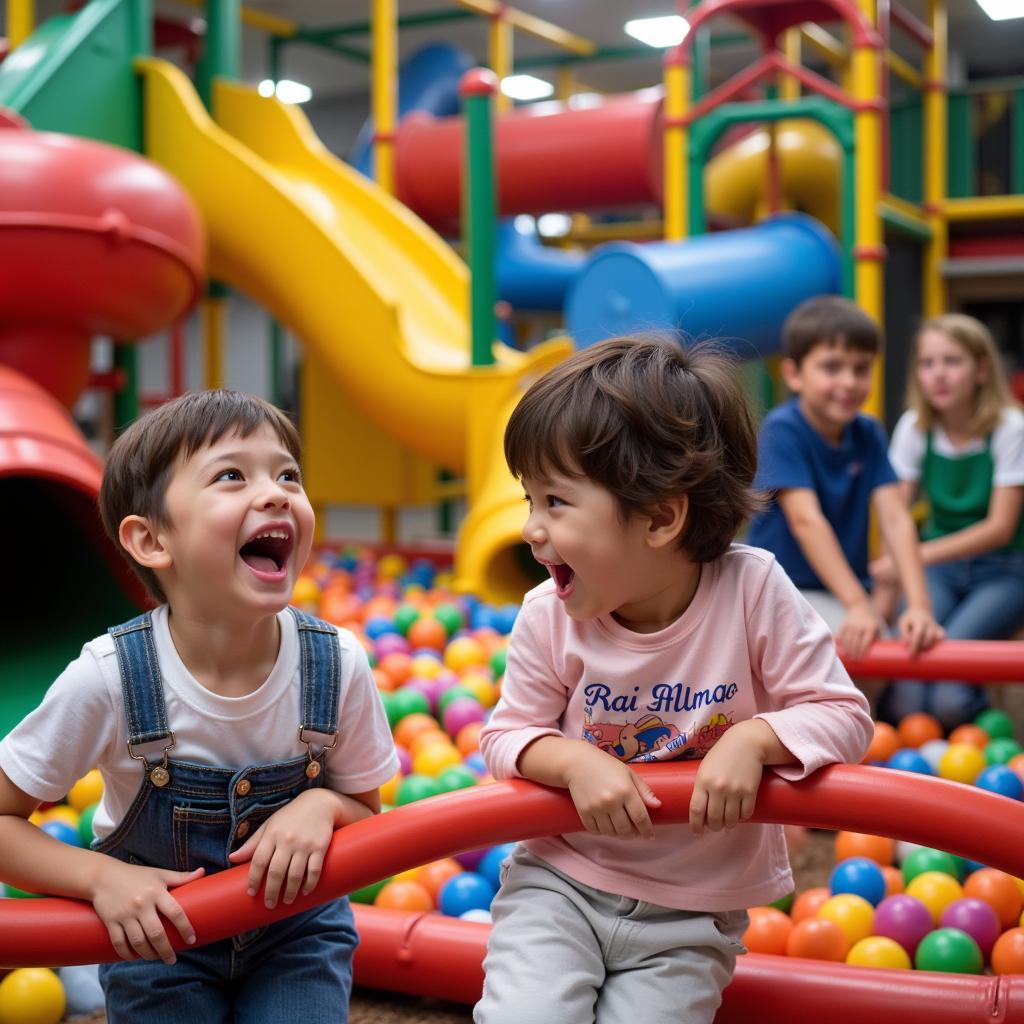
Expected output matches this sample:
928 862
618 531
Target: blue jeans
978 598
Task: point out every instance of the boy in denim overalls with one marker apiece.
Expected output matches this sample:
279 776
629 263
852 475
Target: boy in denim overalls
228 727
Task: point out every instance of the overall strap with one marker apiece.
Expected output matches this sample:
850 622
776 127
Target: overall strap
320 674
141 683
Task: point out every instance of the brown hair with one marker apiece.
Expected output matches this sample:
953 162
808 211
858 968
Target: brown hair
993 393
647 420
141 460
828 320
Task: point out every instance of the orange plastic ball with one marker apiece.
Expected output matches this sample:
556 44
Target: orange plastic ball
768 931
880 849
971 734
468 739
339 607
1016 764
999 890
379 607
433 875
404 894
894 882
817 938
427 631
429 738
398 665
808 903
884 743
917 729
414 725
1008 952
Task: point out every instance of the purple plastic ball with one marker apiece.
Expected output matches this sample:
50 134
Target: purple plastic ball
430 688
404 760
390 643
976 918
904 920
471 858
461 712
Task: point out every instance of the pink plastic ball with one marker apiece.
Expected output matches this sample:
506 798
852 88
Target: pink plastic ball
904 919
461 712
976 918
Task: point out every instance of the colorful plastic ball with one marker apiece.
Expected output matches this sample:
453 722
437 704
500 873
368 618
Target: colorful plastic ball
936 890
426 666
998 778
378 626
880 849
414 725
998 724
903 919
477 915
461 712
390 644
31 995
430 688
962 763
416 787
428 631
809 902
368 893
1008 952
975 918
457 776
853 914
470 859
433 875
768 931
949 950
907 760
1016 764
918 728
999 890
406 701
481 687
468 891
932 752
878 951
450 617
428 738
467 739
884 743
905 849
453 693
475 763
404 763
389 791
893 880
404 894
464 652
817 938
433 759
87 790
63 813
405 615
973 735
784 903
498 659
925 859
306 593
860 877
490 863
62 831
12 892
85 829
1001 750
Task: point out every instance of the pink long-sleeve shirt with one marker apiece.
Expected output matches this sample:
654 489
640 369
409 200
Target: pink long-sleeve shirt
748 646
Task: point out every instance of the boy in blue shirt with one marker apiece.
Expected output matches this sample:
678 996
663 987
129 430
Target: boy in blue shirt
823 464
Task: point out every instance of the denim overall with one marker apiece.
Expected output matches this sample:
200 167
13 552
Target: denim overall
187 816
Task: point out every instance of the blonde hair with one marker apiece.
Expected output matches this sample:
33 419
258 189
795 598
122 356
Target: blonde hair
992 396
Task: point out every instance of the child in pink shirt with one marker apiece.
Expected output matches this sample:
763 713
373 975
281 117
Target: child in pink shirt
656 638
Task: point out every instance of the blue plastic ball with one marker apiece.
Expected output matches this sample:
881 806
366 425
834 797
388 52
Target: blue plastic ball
909 760
508 614
63 831
468 891
475 763
490 865
997 778
860 876
378 626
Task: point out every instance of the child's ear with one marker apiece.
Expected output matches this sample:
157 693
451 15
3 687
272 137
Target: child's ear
139 537
790 375
666 520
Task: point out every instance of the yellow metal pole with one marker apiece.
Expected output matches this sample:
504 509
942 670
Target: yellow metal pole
869 250
500 42
678 83
565 82
789 87
214 308
936 144
21 21
384 78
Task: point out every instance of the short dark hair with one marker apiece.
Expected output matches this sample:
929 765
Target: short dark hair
828 320
647 420
140 461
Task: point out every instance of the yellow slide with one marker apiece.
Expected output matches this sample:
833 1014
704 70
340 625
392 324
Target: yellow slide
379 299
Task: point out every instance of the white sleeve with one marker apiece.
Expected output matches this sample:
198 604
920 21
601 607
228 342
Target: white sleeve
364 756
72 731
907 448
1008 450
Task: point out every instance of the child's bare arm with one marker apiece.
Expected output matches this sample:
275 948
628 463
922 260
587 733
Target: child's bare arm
289 847
611 798
128 898
725 790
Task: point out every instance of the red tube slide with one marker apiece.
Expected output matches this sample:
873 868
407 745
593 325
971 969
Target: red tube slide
974 661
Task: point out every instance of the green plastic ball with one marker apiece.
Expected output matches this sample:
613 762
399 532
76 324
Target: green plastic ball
999 751
416 787
406 701
14 893
949 950
85 824
368 893
918 861
450 617
784 903
498 659
998 724
456 777
405 615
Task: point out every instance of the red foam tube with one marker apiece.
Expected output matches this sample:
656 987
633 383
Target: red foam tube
977 661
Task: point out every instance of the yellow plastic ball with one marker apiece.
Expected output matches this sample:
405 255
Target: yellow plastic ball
1020 885
86 791
962 762
31 995
854 915
306 593
389 790
482 687
391 567
878 951
936 890
464 653
444 581
62 813
434 759
426 667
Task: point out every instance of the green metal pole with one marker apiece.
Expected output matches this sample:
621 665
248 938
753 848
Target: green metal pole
477 89
126 398
222 58
1017 143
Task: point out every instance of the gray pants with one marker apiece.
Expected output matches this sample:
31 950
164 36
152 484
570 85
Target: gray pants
562 951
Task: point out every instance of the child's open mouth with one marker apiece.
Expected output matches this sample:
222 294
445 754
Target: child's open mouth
267 552
564 577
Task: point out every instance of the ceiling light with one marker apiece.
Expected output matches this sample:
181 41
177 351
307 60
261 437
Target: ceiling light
669 30
286 90
1002 10
526 87
554 225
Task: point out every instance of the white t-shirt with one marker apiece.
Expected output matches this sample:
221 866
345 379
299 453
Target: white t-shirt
81 724
909 445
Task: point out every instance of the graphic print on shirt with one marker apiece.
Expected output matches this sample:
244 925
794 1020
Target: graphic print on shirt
651 735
